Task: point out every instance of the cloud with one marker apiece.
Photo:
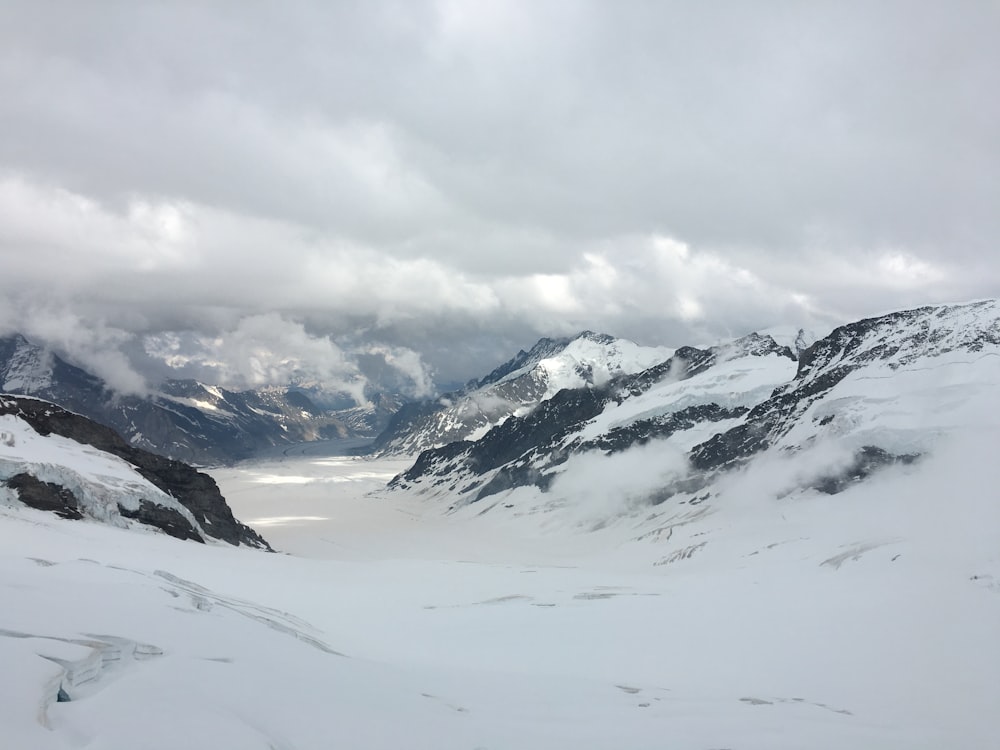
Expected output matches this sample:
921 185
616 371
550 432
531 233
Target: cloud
596 489
262 350
270 350
459 179
92 344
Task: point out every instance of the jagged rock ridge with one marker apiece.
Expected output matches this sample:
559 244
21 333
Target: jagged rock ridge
878 392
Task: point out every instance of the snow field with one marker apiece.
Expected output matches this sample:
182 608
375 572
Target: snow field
863 620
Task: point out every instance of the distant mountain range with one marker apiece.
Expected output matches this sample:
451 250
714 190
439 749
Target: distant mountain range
187 420
877 393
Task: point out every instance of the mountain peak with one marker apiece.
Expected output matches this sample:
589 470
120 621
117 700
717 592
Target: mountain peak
24 366
597 338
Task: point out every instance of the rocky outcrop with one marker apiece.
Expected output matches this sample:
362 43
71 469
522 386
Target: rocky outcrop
194 490
45 496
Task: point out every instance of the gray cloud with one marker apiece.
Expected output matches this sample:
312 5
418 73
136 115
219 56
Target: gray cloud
459 178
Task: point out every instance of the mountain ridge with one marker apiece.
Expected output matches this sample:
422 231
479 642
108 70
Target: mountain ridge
514 388
869 387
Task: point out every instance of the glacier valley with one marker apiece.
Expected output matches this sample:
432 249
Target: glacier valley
744 549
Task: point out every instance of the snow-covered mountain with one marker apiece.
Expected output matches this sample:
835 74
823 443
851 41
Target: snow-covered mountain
695 392
516 388
55 460
188 420
875 393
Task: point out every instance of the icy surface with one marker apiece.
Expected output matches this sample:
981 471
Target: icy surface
867 620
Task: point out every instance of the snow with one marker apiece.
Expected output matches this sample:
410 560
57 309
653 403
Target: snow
586 361
865 620
793 337
907 410
743 381
194 403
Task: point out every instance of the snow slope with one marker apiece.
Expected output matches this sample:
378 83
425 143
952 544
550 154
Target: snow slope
865 620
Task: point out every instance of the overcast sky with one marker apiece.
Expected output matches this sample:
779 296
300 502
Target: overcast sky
245 190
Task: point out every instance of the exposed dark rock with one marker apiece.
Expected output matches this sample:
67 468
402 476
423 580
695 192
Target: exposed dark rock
166 519
866 462
545 348
642 431
514 387
524 450
550 421
510 477
408 419
45 496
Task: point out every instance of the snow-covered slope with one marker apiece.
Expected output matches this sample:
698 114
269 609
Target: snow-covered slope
515 388
54 460
873 393
896 382
867 620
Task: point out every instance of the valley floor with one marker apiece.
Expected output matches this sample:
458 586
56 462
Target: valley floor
864 620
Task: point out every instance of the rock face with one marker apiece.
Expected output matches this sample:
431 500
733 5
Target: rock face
514 389
187 420
45 496
174 497
873 394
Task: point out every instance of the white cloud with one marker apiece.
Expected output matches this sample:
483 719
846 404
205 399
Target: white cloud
93 345
262 350
444 173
